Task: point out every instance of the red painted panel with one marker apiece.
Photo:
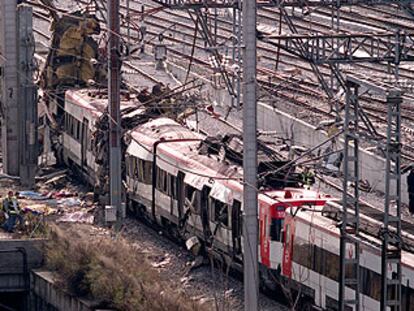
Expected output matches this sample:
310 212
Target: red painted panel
264 217
289 234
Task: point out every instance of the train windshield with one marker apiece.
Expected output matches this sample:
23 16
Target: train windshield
276 226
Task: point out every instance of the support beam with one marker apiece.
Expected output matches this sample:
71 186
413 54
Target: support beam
349 272
114 84
392 240
9 90
27 100
250 203
348 48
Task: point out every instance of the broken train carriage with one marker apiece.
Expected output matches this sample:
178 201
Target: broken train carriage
191 187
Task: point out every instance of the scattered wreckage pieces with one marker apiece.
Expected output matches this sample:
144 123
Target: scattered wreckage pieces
78 217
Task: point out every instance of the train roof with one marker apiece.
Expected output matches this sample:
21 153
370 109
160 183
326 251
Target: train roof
96 100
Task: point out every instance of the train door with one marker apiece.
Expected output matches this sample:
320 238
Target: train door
220 222
204 213
180 194
84 142
236 225
288 234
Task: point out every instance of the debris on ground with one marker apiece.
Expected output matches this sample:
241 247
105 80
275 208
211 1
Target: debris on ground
162 264
68 202
78 217
32 195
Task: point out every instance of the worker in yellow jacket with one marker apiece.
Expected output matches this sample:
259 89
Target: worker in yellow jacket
12 212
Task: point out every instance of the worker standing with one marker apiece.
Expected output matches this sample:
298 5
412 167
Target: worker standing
410 186
308 179
12 212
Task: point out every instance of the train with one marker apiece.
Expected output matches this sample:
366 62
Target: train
192 186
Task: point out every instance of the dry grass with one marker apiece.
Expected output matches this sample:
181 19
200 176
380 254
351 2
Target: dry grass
111 272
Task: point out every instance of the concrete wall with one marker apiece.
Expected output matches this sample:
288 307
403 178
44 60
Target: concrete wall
12 278
372 167
46 294
219 94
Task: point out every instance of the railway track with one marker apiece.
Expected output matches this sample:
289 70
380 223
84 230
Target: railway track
308 91
267 52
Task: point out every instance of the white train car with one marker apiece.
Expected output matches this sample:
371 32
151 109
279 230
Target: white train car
83 107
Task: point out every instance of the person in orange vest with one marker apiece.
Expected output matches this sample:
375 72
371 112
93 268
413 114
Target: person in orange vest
12 212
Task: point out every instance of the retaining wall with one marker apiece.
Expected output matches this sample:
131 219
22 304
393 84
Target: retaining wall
46 295
13 272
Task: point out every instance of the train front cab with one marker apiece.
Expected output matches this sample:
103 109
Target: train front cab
277 234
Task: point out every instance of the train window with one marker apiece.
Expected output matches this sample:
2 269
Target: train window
276 229
192 197
162 182
318 260
331 266
220 212
375 285
237 219
78 130
172 189
66 121
139 170
72 127
70 124
147 172
132 163
88 139
128 165
302 253
143 171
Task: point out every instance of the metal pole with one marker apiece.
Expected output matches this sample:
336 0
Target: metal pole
251 275
27 98
349 270
8 73
114 109
391 244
